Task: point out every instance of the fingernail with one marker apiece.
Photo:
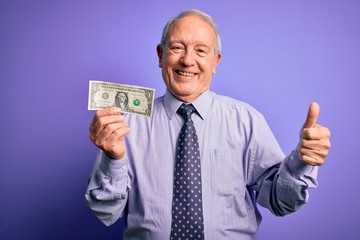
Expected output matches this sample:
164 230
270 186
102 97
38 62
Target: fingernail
118 110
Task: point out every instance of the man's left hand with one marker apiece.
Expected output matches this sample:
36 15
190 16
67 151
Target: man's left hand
314 142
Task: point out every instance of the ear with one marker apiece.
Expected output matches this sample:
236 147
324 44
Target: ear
159 51
216 62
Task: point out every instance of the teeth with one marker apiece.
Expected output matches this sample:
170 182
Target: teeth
186 74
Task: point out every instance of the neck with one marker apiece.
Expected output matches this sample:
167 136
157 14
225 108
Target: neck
187 98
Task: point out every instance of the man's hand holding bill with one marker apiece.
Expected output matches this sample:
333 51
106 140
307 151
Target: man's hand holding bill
107 132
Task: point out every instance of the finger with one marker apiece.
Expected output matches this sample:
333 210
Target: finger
110 136
114 142
312 161
108 111
315 133
312 115
104 112
114 146
119 134
317 145
102 123
317 152
313 155
110 128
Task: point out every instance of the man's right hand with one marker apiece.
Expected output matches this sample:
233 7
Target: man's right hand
107 132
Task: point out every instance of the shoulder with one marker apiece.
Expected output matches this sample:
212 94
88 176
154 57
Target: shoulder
239 115
234 106
159 101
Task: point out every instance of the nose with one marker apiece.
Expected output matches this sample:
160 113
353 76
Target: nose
187 59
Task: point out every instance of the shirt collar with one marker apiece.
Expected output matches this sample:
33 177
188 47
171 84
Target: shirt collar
202 104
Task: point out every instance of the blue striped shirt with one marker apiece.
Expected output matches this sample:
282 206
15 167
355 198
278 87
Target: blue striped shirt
242 165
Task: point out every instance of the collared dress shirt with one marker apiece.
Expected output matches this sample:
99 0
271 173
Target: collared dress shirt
242 165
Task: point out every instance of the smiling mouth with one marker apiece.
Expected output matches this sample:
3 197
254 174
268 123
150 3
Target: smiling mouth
184 74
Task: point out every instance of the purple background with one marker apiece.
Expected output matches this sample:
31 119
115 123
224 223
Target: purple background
277 55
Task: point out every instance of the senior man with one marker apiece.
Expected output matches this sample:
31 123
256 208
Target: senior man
200 165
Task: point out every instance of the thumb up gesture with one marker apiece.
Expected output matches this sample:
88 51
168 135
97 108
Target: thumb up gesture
314 142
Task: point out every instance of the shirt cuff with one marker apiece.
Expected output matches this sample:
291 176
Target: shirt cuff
114 168
297 166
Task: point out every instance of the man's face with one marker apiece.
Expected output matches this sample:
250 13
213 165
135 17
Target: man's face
188 60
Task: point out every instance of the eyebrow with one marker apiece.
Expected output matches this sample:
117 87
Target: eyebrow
197 43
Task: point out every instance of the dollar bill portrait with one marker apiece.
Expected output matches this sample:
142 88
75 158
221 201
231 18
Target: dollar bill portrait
121 100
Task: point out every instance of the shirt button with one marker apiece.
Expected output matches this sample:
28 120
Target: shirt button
106 179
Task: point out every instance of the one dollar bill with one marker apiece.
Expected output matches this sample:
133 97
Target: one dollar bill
130 99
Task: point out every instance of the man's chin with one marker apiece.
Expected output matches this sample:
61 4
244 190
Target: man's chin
186 96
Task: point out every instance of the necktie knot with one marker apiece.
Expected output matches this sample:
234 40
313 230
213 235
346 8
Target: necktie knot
185 111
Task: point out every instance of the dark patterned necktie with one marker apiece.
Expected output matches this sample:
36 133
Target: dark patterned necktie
187 215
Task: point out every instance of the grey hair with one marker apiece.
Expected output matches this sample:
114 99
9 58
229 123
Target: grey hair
207 18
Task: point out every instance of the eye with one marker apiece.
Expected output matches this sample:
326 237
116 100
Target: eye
176 48
201 51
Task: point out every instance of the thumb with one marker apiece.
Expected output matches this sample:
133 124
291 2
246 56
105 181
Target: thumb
312 116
